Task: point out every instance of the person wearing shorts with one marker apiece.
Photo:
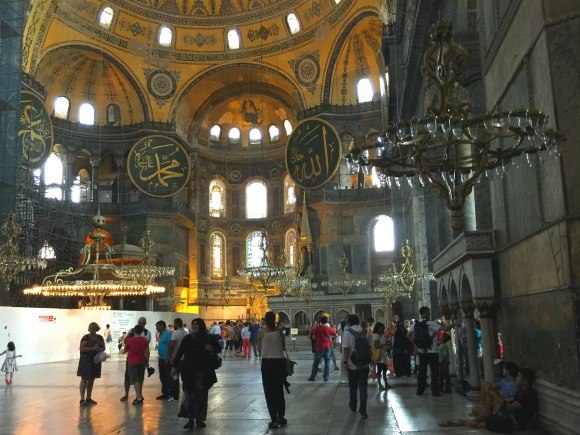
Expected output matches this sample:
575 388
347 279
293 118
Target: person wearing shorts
137 349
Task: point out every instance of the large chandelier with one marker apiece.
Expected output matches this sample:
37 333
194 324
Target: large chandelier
449 148
266 274
343 280
97 277
11 262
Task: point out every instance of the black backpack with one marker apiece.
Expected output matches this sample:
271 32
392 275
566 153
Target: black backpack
360 355
423 340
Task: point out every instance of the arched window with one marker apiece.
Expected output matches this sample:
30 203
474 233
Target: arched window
289 194
61 106
217 198
214 133
87 114
106 18
293 23
165 36
287 127
234 135
384 234
255 136
217 266
113 114
364 90
255 249
81 188
290 246
234 40
256 200
274 133
46 252
53 177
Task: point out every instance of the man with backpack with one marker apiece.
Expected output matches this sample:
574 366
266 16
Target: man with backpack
425 338
356 354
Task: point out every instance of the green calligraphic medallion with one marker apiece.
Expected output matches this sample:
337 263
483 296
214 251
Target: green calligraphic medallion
158 166
35 136
313 153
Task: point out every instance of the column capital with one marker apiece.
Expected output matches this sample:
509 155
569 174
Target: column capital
95 160
468 309
487 307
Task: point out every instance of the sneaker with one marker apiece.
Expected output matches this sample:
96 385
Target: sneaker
273 425
123 399
282 422
162 397
138 401
90 402
171 399
150 371
83 403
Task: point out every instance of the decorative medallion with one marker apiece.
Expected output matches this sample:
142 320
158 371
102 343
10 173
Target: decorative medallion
158 166
136 28
275 226
202 225
307 70
235 228
274 173
313 153
35 136
235 175
161 84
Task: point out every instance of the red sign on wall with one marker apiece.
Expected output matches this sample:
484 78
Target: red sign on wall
46 319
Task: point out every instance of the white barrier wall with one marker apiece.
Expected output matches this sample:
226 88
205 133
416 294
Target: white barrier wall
45 335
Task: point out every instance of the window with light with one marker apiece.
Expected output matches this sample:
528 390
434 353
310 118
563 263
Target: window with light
46 252
53 177
274 133
217 243
364 90
290 247
254 249
293 23
217 198
234 41
87 114
384 234
113 114
256 200
61 107
287 127
165 36
214 133
289 194
255 136
234 135
106 18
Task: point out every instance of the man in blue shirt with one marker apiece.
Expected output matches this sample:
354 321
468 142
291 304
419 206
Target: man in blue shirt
164 363
254 329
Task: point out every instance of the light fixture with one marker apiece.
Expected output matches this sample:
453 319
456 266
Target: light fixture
97 277
449 148
342 280
11 262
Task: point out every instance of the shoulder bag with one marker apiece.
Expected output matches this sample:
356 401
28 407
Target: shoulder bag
288 363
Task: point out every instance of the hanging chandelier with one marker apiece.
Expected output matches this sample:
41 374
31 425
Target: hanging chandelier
343 280
97 277
266 274
11 262
449 148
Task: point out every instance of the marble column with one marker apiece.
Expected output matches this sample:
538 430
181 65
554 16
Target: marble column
120 162
468 322
67 160
95 163
469 216
421 248
487 311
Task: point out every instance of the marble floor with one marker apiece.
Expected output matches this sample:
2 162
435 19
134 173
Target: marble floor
44 400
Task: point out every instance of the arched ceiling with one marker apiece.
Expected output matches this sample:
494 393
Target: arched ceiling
89 76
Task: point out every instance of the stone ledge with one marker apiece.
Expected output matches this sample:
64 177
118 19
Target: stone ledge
559 408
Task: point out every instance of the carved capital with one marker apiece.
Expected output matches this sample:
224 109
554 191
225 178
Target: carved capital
487 307
468 309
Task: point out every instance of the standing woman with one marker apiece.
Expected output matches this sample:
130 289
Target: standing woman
199 350
271 346
379 342
91 344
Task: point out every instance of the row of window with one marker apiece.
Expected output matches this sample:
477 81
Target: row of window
256 198
165 34
86 112
383 237
254 136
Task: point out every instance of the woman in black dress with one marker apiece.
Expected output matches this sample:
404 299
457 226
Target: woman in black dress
199 351
91 345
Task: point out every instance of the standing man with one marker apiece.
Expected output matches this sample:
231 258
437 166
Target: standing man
164 364
254 330
357 376
178 333
321 335
150 370
425 338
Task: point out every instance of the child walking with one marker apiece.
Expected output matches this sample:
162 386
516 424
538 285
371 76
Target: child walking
9 365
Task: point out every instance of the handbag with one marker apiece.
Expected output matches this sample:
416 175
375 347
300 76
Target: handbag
288 363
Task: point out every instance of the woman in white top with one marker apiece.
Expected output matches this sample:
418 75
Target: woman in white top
380 343
271 346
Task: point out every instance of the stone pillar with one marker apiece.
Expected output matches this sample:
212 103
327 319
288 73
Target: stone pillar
468 309
421 249
95 162
487 311
67 160
120 162
469 216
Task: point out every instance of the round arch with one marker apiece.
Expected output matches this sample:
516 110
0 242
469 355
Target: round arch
301 319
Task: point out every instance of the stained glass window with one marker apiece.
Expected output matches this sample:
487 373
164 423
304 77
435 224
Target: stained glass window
290 247
217 244
289 195
254 251
217 201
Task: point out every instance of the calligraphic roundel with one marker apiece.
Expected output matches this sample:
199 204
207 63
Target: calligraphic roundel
313 153
158 166
35 136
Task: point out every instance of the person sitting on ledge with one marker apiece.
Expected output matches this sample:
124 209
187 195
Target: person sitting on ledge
513 412
507 388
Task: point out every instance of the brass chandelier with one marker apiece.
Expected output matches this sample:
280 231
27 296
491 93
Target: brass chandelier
98 277
343 280
11 262
449 148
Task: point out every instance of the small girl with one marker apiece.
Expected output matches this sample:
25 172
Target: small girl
9 365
